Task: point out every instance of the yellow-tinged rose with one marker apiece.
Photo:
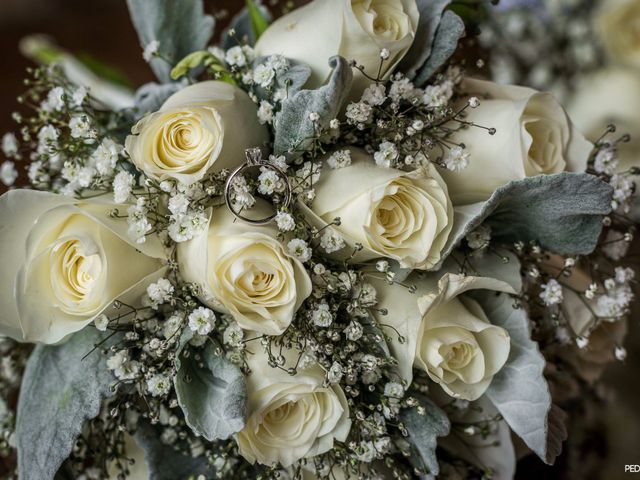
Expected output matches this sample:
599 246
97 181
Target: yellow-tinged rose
406 216
290 416
534 136
446 332
618 26
63 262
201 128
354 29
244 270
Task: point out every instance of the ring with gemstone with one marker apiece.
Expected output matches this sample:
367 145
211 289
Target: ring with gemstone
254 159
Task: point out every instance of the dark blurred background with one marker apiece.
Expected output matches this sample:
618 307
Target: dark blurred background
102 30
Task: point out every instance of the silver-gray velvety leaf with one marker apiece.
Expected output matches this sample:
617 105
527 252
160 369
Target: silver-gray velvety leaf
211 392
430 15
181 27
150 96
519 390
163 461
445 42
294 129
60 391
562 212
424 431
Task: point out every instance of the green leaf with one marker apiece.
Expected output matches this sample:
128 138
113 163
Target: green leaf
241 24
181 27
163 461
445 43
193 60
294 130
562 212
60 391
259 21
211 392
424 430
519 390
430 15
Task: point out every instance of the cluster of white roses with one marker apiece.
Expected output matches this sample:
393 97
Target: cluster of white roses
346 308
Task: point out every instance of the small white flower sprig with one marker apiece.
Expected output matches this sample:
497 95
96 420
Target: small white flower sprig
71 140
599 287
407 127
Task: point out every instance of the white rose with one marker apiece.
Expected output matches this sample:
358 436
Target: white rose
63 262
243 270
446 332
406 216
200 128
610 96
290 416
355 29
617 26
533 136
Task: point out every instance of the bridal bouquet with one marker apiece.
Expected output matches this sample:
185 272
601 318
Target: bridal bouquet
320 249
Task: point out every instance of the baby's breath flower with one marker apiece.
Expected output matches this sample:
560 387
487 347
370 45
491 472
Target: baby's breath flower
160 291
331 241
8 173
159 385
353 331
321 316
374 94
201 320
54 101
235 57
101 322
122 185
358 112
9 145
339 159
457 159
285 222
299 249
263 75
265 112
80 127
551 293
335 373
386 155
233 335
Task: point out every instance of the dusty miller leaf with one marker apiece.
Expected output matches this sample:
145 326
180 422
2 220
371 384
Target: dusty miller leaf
60 391
150 97
181 27
294 130
430 15
445 43
213 396
519 390
424 430
562 212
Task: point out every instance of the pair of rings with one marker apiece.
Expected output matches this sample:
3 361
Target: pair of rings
254 159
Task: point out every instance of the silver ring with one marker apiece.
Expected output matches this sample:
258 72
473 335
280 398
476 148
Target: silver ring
254 159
